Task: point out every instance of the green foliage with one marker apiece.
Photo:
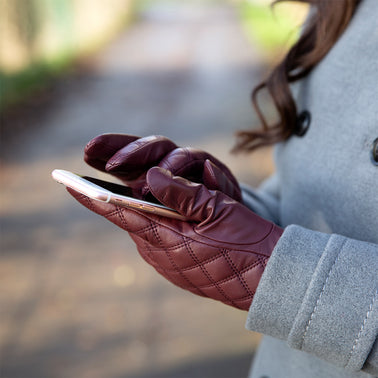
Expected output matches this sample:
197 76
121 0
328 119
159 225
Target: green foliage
16 86
47 39
272 29
144 4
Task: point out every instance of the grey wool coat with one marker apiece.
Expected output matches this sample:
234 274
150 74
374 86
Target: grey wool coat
317 302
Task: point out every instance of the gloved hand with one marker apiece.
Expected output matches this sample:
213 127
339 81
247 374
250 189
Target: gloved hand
220 253
129 157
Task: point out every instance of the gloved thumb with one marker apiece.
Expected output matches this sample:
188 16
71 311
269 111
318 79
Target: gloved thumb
190 199
215 179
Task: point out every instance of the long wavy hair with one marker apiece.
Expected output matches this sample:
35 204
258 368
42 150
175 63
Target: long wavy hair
325 24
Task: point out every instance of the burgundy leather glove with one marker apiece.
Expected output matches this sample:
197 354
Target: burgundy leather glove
129 157
220 253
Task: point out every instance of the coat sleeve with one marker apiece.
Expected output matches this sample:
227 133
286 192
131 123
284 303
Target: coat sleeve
264 201
319 293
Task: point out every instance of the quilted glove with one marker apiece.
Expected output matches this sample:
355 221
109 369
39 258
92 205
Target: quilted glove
129 157
220 253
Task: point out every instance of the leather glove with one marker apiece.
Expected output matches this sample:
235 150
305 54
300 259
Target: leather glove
220 253
129 157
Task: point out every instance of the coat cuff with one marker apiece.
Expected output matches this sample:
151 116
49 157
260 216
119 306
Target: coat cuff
319 293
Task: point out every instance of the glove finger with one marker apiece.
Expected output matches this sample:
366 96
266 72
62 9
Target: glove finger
101 148
215 179
137 157
185 162
188 162
190 199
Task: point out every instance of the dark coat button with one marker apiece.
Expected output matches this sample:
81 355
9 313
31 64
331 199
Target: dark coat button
374 152
303 123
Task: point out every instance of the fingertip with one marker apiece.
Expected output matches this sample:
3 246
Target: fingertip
155 174
112 164
159 181
138 156
104 146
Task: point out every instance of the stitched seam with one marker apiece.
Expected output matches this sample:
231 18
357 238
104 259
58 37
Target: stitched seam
146 252
152 227
123 219
114 212
156 222
143 230
228 278
107 215
321 294
149 258
191 267
236 272
243 298
208 276
90 203
178 247
191 285
260 261
231 277
362 328
208 261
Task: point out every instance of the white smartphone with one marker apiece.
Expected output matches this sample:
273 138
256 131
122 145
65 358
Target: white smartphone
105 191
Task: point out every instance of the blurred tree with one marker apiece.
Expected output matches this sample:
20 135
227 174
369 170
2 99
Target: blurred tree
272 28
40 37
25 16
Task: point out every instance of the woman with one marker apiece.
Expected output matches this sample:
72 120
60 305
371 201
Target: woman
300 254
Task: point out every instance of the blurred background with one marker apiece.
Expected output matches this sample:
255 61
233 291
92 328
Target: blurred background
76 300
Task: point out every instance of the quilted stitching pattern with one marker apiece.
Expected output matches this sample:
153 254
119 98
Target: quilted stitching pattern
223 253
227 275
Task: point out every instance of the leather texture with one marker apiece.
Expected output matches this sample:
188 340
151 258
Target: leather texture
220 253
129 157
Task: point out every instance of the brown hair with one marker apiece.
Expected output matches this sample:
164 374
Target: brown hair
328 19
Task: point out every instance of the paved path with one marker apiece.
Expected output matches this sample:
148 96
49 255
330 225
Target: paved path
76 300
